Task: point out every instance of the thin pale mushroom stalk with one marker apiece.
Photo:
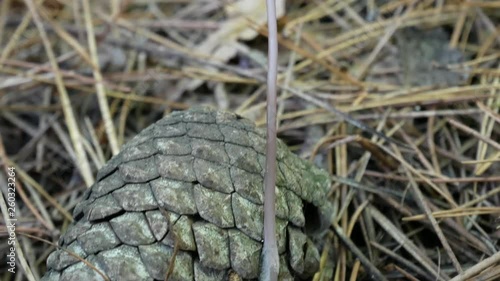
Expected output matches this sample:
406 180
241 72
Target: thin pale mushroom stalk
270 255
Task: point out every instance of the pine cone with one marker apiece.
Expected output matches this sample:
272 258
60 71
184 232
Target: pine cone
184 198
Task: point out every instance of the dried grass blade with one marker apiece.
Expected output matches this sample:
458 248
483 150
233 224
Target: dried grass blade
99 84
82 162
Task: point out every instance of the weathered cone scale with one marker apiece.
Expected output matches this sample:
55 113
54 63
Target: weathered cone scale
187 192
